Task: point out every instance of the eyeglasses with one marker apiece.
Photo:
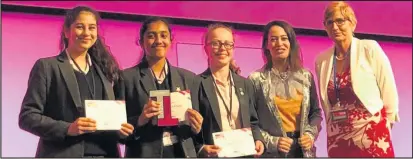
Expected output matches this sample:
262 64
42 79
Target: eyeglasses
218 44
338 21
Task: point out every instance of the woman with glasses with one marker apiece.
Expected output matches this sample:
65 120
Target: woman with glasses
225 98
286 96
357 88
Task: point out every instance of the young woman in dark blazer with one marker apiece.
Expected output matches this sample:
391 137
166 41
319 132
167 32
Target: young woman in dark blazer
225 98
53 107
154 72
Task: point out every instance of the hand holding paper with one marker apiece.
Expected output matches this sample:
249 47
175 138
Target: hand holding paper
108 114
81 125
210 151
151 109
173 107
126 130
195 120
259 147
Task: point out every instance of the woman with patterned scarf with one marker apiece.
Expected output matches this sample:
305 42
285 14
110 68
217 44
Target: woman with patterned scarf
286 96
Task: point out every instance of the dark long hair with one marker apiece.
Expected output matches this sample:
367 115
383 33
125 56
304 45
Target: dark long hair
294 59
99 52
144 28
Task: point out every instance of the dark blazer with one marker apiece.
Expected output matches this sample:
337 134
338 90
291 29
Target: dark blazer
146 141
52 101
207 100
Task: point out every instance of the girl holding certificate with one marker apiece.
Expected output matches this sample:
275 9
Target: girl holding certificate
225 98
286 96
153 73
53 107
357 88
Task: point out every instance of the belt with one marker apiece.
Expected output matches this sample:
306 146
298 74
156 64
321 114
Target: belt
295 134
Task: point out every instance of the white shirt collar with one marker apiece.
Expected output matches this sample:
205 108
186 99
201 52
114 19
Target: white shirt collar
73 63
231 79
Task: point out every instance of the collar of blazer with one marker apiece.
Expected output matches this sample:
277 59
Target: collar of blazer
71 81
148 80
240 91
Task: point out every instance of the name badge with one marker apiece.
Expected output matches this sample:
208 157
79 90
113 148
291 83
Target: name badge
339 113
169 139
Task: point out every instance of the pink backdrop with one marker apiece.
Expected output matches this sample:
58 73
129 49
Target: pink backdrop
27 37
394 17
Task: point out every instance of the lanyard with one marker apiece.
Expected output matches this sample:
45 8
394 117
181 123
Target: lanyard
229 110
92 93
335 82
163 71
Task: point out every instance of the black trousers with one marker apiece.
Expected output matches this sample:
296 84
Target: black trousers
173 151
295 150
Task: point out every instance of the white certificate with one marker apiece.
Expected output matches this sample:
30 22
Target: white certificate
108 114
235 143
180 103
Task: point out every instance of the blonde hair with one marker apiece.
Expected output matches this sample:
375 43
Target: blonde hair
233 66
214 26
343 7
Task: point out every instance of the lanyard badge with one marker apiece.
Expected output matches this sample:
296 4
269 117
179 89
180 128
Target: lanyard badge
338 113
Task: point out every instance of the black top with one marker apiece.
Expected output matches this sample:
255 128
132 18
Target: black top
146 141
175 150
53 101
91 82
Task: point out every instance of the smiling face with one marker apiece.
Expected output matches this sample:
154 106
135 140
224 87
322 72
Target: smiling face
278 43
82 33
156 40
219 46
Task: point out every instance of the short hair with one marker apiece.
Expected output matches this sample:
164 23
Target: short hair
343 7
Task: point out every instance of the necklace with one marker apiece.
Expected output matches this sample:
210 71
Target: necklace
342 58
282 75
